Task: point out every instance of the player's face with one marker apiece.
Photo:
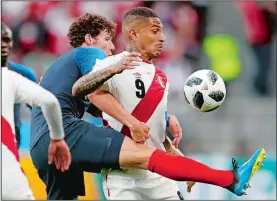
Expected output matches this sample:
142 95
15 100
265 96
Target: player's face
6 45
150 38
104 42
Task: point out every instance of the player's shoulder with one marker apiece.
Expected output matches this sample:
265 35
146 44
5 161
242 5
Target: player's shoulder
10 74
120 55
89 52
87 57
111 59
158 70
4 70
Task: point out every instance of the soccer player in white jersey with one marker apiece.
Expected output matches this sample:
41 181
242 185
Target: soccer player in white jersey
17 89
143 94
145 107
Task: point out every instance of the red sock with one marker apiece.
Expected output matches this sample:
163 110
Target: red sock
184 169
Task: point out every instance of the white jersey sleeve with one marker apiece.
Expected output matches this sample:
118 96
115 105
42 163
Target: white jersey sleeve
109 85
34 95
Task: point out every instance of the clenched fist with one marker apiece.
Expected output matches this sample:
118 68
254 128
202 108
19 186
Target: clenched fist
140 132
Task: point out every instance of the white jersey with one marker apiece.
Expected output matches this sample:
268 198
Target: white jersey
17 89
143 93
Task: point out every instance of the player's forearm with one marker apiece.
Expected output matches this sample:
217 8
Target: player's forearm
92 81
52 112
53 116
108 104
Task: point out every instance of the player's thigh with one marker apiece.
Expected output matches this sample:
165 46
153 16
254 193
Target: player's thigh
15 185
135 155
97 148
64 185
91 147
164 189
107 148
115 189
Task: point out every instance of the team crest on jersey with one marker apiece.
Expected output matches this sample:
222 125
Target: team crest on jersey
137 75
161 81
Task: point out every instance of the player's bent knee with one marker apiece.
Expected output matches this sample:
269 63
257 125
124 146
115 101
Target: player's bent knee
134 155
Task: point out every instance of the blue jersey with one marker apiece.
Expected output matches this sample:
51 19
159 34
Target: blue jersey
29 74
59 79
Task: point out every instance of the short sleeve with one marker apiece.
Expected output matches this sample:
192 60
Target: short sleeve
102 64
86 58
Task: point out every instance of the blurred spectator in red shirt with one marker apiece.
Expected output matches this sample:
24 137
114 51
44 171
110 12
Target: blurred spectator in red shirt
259 34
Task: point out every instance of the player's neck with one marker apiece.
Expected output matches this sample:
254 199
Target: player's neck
144 56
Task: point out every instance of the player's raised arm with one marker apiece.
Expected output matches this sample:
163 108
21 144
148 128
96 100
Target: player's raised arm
92 81
34 95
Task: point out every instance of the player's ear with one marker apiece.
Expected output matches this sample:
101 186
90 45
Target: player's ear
133 35
88 39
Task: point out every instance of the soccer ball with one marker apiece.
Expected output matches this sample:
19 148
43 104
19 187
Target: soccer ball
205 90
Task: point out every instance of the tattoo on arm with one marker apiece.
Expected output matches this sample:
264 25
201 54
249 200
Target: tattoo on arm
91 82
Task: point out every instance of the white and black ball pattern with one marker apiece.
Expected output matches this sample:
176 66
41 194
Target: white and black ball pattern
205 90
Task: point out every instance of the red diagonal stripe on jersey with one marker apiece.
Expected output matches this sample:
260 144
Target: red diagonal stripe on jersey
148 104
8 138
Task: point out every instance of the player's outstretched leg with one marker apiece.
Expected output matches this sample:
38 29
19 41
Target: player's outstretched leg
185 169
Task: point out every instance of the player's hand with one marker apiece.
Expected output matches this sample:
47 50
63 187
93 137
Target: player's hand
60 154
129 61
175 129
140 132
190 184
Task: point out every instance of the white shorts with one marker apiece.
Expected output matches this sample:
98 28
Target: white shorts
131 189
15 185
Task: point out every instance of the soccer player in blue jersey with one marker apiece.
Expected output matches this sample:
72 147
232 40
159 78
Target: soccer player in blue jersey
94 148
20 69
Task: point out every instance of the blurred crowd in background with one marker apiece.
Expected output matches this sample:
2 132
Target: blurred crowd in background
40 34
235 39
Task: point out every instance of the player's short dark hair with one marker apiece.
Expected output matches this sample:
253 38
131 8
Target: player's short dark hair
89 24
138 14
141 12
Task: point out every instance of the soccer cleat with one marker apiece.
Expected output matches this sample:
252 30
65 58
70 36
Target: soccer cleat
243 174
